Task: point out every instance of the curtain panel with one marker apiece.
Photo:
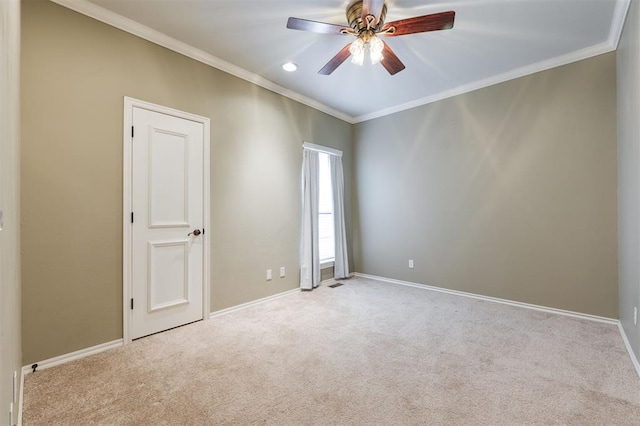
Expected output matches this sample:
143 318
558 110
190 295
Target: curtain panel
341 263
309 248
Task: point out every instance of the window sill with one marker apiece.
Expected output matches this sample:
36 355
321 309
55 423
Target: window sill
326 264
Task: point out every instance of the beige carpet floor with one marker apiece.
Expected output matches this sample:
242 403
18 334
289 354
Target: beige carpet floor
365 353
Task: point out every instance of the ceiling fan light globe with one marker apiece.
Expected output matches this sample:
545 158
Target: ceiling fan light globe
356 47
358 59
357 52
376 58
376 46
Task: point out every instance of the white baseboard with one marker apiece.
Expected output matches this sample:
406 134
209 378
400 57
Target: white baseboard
82 353
580 315
634 359
494 299
252 303
62 359
21 397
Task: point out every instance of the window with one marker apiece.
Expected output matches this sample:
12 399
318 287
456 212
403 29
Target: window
325 210
323 241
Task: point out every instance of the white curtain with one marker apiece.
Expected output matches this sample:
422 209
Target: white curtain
309 256
341 264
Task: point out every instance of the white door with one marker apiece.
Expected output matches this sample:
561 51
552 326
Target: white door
167 244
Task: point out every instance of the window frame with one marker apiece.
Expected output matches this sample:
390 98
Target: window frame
330 151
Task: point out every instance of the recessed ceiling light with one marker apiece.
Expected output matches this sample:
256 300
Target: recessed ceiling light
290 67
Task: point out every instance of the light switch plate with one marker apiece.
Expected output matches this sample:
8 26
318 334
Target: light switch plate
282 272
1 220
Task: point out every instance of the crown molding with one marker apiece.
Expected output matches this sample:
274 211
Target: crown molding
558 61
617 23
128 25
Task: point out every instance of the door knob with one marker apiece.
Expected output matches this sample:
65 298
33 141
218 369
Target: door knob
195 232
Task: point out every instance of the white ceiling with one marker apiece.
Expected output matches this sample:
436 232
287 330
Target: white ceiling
492 41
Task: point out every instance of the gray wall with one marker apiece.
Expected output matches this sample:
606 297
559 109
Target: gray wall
629 173
75 73
508 191
10 338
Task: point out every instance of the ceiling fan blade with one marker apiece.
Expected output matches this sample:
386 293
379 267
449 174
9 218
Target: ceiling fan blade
315 27
336 61
421 24
391 62
372 7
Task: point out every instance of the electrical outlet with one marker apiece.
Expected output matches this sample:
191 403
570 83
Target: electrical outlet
410 263
268 274
635 315
282 272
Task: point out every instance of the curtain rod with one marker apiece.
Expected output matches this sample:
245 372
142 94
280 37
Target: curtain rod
320 148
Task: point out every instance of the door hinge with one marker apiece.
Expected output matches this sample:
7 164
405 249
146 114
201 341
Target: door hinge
131 217
132 131
131 303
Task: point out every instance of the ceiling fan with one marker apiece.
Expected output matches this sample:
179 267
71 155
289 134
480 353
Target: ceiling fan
366 23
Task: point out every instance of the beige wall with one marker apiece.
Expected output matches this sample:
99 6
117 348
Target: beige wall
10 336
75 73
508 191
629 173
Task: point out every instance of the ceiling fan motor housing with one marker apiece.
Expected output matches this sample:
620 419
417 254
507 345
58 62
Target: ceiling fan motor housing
356 21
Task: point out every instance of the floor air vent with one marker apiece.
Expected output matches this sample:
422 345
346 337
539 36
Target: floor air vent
335 285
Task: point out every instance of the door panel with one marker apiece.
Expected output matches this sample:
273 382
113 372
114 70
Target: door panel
168 179
168 280
168 203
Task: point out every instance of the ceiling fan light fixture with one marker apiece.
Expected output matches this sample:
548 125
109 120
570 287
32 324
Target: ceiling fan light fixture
366 20
376 46
357 51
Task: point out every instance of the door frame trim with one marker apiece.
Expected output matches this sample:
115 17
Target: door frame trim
127 203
